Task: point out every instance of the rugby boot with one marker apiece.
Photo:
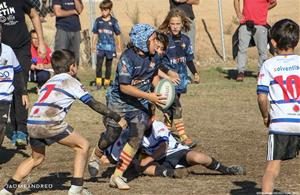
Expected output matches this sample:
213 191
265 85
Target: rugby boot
235 170
21 139
83 191
118 182
94 162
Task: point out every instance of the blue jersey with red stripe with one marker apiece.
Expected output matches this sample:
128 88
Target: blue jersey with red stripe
280 78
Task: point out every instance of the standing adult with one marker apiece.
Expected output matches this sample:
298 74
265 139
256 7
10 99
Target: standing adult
68 25
16 35
187 7
253 20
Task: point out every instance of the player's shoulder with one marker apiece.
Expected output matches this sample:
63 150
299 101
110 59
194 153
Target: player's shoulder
6 48
128 54
65 79
185 38
113 19
98 19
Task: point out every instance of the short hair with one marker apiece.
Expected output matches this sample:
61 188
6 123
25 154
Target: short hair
285 33
61 60
163 38
106 4
32 31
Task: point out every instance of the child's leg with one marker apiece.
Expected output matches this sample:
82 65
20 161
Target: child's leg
137 127
108 66
198 158
179 123
81 147
36 158
100 59
271 172
112 133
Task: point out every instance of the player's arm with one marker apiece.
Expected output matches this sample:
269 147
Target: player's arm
94 42
159 152
193 2
105 111
118 43
237 8
272 4
78 6
155 80
263 107
20 87
59 12
35 19
135 92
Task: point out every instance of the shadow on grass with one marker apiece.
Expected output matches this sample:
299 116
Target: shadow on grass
52 182
130 175
232 73
7 154
249 188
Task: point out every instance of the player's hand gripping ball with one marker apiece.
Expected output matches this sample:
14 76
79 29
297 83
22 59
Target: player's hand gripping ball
166 89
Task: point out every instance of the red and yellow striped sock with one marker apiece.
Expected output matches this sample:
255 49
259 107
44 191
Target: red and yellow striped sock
126 156
179 125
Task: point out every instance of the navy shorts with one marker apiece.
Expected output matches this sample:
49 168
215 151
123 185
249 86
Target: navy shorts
176 159
283 147
108 54
40 143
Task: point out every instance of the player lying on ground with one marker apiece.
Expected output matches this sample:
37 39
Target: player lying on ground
162 154
46 122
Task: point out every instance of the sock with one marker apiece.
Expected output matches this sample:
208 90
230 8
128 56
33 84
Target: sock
77 181
179 125
11 185
163 171
126 156
217 166
98 81
76 184
168 121
106 82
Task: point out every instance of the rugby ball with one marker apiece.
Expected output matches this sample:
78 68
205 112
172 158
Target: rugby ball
166 89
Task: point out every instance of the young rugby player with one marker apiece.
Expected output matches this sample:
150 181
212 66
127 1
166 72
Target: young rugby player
279 88
46 123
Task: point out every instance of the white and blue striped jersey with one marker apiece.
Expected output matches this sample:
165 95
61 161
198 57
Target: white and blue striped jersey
160 133
280 78
56 96
9 65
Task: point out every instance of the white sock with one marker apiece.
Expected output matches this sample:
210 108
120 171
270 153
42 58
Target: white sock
75 189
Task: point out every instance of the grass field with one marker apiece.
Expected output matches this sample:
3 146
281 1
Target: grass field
220 113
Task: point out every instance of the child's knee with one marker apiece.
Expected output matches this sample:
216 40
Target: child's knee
83 146
273 170
86 146
38 159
